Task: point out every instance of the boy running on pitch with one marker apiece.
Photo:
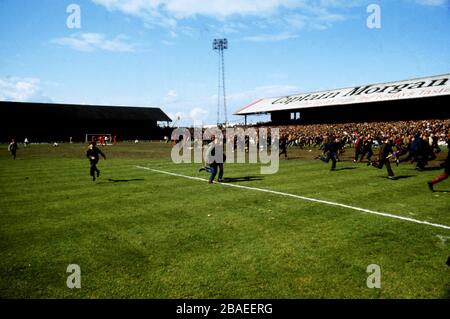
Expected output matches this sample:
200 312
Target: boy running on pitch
93 153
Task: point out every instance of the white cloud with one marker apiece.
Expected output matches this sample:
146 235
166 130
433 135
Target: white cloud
433 2
168 12
89 42
342 3
229 28
148 10
168 43
297 21
270 37
179 9
171 97
198 114
21 90
188 118
295 14
225 8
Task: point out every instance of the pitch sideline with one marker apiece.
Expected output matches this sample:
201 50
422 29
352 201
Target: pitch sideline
303 198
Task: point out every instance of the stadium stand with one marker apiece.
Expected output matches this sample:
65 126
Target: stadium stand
42 122
416 99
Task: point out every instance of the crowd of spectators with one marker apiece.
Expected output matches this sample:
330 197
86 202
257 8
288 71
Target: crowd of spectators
436 131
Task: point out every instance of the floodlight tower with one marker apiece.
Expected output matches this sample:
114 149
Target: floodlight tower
220 45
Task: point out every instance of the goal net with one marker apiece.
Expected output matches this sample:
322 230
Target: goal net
102 139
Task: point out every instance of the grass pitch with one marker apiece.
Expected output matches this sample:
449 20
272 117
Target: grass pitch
140 234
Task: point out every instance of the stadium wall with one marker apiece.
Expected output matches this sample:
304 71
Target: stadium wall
43 122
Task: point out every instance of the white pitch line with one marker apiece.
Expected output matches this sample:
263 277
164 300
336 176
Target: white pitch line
304 198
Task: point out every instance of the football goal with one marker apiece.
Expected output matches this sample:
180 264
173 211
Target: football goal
99 138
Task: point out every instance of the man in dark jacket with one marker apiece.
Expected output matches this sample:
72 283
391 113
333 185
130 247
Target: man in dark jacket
446 173
423 153
214 163
12 148
358 147
386 152
283 145
93 153
331 151
367 149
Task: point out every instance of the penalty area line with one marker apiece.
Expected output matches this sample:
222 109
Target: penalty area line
309 199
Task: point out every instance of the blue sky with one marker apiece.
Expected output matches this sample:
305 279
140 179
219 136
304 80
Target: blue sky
159 52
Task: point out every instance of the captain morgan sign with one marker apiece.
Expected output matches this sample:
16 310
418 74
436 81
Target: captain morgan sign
423 87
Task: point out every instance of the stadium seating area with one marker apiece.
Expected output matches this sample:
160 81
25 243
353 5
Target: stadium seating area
309 135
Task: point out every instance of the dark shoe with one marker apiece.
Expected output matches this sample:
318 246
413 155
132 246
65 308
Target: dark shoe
210 182
202 169
93 178
430 186
220 180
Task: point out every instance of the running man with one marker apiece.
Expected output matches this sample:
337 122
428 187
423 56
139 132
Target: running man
331 152
358 147
93 153
386 152
212 166
443 176
12 148
283 146
367 150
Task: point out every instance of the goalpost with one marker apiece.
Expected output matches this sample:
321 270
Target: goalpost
97 138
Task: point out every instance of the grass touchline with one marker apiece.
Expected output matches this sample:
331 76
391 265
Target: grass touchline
306 198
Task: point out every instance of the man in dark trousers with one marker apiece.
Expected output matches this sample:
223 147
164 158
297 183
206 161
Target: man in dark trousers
214 163
283 145
12 148
423 151
386 152
446 173
331 151
367 149
358 147
93 153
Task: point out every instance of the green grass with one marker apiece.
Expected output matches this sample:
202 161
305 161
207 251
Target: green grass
141 234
